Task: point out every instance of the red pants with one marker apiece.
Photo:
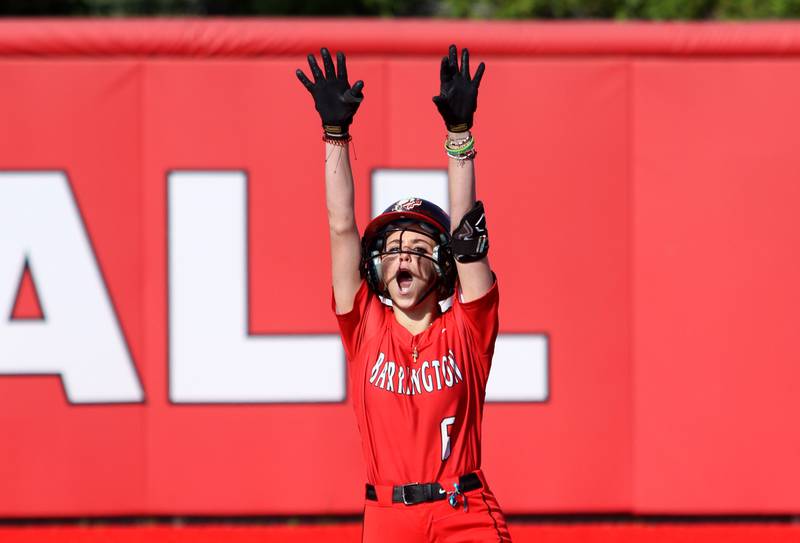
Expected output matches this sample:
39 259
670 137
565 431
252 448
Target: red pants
440 522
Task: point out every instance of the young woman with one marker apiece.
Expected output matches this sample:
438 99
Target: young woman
417 365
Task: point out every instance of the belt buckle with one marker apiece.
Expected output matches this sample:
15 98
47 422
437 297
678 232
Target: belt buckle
405 501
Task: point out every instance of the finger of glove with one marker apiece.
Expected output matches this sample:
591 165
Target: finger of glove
353 94
304 80
315 71
465 63
443 71
453 57
478 75
441 106
440 102
341 65
330 72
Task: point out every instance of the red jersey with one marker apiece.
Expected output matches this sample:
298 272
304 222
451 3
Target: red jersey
419 398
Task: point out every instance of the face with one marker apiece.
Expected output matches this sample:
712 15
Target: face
407 276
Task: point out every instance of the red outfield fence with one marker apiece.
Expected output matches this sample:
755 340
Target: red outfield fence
642 184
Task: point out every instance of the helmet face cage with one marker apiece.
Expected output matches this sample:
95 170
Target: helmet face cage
374 250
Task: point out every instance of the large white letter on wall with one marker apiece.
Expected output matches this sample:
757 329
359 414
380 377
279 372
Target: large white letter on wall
79 338
211 357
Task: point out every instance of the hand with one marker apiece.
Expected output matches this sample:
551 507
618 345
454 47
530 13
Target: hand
458 94
335 100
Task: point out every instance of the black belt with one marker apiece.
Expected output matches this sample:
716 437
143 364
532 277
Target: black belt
426 492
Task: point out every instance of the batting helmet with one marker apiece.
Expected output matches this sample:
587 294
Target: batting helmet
417 215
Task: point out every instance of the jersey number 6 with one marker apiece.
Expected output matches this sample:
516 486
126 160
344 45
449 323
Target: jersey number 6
444 426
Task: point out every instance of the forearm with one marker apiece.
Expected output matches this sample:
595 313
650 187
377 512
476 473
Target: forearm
339 190
461 183
475 277
344 238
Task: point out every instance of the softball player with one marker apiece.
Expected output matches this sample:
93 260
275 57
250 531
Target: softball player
417 368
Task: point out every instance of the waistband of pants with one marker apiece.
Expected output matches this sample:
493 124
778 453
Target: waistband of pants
415 493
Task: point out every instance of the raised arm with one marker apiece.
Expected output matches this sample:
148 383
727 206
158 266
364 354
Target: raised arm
457 102
337 102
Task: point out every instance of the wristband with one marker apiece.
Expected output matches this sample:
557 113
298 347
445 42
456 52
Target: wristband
337 140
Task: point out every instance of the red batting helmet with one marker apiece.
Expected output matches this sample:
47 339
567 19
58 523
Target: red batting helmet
417 215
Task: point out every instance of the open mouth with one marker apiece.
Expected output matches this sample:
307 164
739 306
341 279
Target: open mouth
404 280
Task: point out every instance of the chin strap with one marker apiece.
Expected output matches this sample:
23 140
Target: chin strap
434 284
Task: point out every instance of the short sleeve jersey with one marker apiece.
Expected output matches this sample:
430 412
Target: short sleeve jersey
419 398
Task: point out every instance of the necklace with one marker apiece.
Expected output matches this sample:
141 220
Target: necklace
414 350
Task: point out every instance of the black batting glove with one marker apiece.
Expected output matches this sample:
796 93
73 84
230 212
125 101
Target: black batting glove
458 95
335 100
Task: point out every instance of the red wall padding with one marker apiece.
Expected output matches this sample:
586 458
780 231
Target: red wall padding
642 184
254 37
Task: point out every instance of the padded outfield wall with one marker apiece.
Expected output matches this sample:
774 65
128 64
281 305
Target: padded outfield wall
167 345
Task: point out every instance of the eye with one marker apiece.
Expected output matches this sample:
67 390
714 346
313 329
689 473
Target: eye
393 249
421 250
